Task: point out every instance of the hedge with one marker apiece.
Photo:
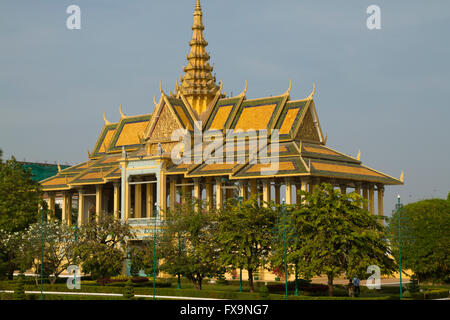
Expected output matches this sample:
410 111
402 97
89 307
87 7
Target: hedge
431 294
232 295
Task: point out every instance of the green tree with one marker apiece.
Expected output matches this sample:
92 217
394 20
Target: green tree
101 261
141 258
20 197
188 242
339 236
59 247
244 233
101 247
14 253
425 230
287 230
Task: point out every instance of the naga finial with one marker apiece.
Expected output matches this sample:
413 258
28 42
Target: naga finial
313 91
358 157
161 88
245 90
289 89
121 113
104 119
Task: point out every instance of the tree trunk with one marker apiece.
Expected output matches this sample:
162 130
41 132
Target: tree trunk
10 272
330 285
250 280
197 282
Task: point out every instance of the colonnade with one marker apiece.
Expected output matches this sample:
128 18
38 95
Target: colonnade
81 194
214 190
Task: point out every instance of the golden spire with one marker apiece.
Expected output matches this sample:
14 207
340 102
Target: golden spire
198 84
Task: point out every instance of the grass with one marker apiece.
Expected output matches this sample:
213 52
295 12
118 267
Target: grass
209 290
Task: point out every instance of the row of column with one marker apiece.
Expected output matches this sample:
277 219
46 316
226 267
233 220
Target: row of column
67 197
138 210
194 187
263 188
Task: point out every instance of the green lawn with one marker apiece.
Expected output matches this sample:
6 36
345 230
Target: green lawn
209 290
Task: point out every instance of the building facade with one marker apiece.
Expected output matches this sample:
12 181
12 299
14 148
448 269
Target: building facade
201 141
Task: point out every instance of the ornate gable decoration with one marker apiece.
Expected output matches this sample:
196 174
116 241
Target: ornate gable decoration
164 126
308 130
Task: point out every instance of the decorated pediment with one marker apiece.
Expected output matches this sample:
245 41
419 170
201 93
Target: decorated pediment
165 124
310 129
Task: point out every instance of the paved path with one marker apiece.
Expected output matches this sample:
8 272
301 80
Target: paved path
108 295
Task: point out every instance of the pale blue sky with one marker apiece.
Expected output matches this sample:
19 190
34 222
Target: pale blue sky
384 92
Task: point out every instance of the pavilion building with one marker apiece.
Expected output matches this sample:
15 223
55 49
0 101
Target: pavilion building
131 167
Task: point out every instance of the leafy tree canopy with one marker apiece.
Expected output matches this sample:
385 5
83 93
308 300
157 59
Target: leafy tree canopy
245 234
188 243
339 236
101 247
425 230
19 196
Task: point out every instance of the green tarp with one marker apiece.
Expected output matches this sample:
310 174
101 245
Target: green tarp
40 171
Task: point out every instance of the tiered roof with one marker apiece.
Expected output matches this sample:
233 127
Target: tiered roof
200 105
104 161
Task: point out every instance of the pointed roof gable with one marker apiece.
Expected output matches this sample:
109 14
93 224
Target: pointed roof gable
104 140
164 122
129 133
258 114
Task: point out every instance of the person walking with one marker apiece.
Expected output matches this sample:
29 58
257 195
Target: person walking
356 286
351 289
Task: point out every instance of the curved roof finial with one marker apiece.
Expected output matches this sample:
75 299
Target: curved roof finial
59 168
245 90
154 100
121 113
161 88
358 157
313 91
402 177
289 89
89 154
107 123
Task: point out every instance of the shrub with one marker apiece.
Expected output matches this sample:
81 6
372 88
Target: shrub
222 281
139 279
431 294
128 292
407 294
264 292
147 284
19 288
339 292
303 285
413 286
391 289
